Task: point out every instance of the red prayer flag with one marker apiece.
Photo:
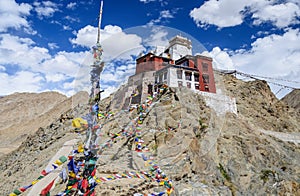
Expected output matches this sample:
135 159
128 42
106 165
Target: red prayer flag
87 193
84 184
46 190
93 172
93 194
44 173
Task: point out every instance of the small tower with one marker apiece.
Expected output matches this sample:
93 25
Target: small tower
179 47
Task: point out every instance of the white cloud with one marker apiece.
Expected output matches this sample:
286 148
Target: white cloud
228 13
72 19
282 15
115 42
146 1
72 5
65 27
56 77
165 14
158 37
162 2
13 15
53 46
223 13
20 51
45 9
221 59
108 91
62 63
118 74
22 81
273 55
2 68
37 64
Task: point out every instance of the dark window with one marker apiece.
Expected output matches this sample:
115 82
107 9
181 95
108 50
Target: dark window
179 74
188 85
188 76
196 76
179 84
145 59
197 86
150 89
156 79
165 75
185 64
205 78
206 88
204 66
160 77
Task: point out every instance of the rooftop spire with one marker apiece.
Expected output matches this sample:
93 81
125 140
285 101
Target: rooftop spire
99 22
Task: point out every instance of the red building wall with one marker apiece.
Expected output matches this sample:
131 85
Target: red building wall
209 85
150 62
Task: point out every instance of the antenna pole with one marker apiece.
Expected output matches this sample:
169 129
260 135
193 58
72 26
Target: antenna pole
99 22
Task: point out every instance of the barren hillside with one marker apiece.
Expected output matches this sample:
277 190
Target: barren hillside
201 152
293 99
23 113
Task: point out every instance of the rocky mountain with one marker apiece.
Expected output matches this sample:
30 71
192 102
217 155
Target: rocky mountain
293 99
20 116
23 113
253 152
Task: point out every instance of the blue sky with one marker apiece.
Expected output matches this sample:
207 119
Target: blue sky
45 45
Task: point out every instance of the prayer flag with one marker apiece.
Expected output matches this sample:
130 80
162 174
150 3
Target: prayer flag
17 192
46 190
63 159
72 167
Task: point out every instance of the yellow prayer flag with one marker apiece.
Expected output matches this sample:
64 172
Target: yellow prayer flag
78 122
58 162
12 194
72 174
98 180
80 148
169 191
34 182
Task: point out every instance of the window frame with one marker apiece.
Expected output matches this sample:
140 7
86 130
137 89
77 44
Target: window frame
179 75
204 66
205 78
188 76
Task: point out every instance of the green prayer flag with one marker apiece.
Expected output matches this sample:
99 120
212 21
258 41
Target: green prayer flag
17 192
63 159
92 162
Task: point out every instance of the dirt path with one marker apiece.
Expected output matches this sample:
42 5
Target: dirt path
64 151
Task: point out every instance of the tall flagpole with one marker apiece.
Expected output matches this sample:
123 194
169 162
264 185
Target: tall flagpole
95 95
99 22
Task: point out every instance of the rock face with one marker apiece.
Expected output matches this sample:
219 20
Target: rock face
20 116
201 152
24 113
293 99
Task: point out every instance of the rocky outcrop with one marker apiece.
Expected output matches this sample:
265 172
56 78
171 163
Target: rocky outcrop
293 100
201 152
258 105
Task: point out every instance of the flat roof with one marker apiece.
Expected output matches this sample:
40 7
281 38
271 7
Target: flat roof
154 55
